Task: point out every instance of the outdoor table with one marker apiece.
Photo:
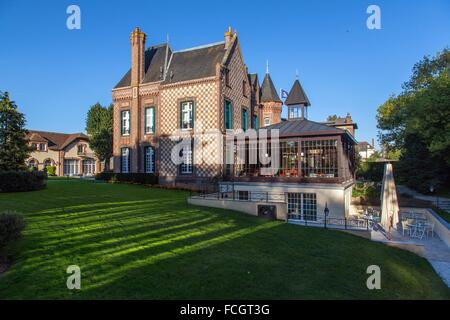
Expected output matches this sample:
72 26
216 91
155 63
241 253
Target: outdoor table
417 229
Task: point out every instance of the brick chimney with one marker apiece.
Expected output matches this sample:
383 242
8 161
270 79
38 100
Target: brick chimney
137 40
228 37
348 118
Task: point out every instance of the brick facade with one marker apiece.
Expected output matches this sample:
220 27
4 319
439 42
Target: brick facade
207 93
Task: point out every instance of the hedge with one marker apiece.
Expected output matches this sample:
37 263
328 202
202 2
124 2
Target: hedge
51 170
17 181
11 226
141 178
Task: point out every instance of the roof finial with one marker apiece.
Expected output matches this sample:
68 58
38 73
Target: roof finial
296 74
267 66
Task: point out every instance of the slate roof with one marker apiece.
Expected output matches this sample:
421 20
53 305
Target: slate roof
268 91
253 78
55 140
297 95
190 64
154 66
297 128
195 63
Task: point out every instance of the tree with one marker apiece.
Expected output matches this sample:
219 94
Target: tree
14 149
99 126
98 118
101 143
416 123
332 118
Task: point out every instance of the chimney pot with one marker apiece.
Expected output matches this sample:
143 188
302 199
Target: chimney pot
228 37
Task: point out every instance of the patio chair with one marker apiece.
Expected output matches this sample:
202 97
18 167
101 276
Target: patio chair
430 228
405 227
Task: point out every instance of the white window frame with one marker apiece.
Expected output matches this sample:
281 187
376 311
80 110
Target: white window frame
186 166
295 112
266 121
300 207
189 112
125 160
149 159
125 122
70 167
149 121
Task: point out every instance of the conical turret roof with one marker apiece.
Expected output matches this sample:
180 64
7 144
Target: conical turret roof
297 95
268 91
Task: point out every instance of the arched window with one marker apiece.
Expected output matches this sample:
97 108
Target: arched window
48 163
32 163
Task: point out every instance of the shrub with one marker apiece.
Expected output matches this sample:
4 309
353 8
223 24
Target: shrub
11 225
140 178
16 181
370 170
51 170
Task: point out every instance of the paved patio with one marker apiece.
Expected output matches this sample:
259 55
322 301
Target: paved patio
433 249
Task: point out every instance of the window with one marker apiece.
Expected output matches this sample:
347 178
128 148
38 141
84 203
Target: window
244 119
228 114
88 167
243 195
319 158
302 206
70 167
125 122
186 166
187 115
289 159
149 120
244 88
81 148
255 122
227 77
32 164
42 147
47 163
295 112
149 160
34 146
266 121
125 160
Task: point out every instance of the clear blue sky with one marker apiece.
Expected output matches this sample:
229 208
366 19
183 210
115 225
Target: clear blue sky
55 74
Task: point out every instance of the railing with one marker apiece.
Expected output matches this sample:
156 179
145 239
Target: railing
236 195
330 222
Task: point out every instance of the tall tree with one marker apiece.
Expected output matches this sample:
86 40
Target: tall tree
99 126
14 149
416 123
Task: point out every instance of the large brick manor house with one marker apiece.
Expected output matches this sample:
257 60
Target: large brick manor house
210 86
165 90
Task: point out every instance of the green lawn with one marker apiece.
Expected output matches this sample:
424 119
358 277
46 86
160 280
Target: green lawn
139 242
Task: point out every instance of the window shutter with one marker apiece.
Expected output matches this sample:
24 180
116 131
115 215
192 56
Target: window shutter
154 121
192 116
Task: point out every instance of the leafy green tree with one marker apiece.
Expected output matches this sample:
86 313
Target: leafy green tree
14 149
99 126
98 118
101 143
416 123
